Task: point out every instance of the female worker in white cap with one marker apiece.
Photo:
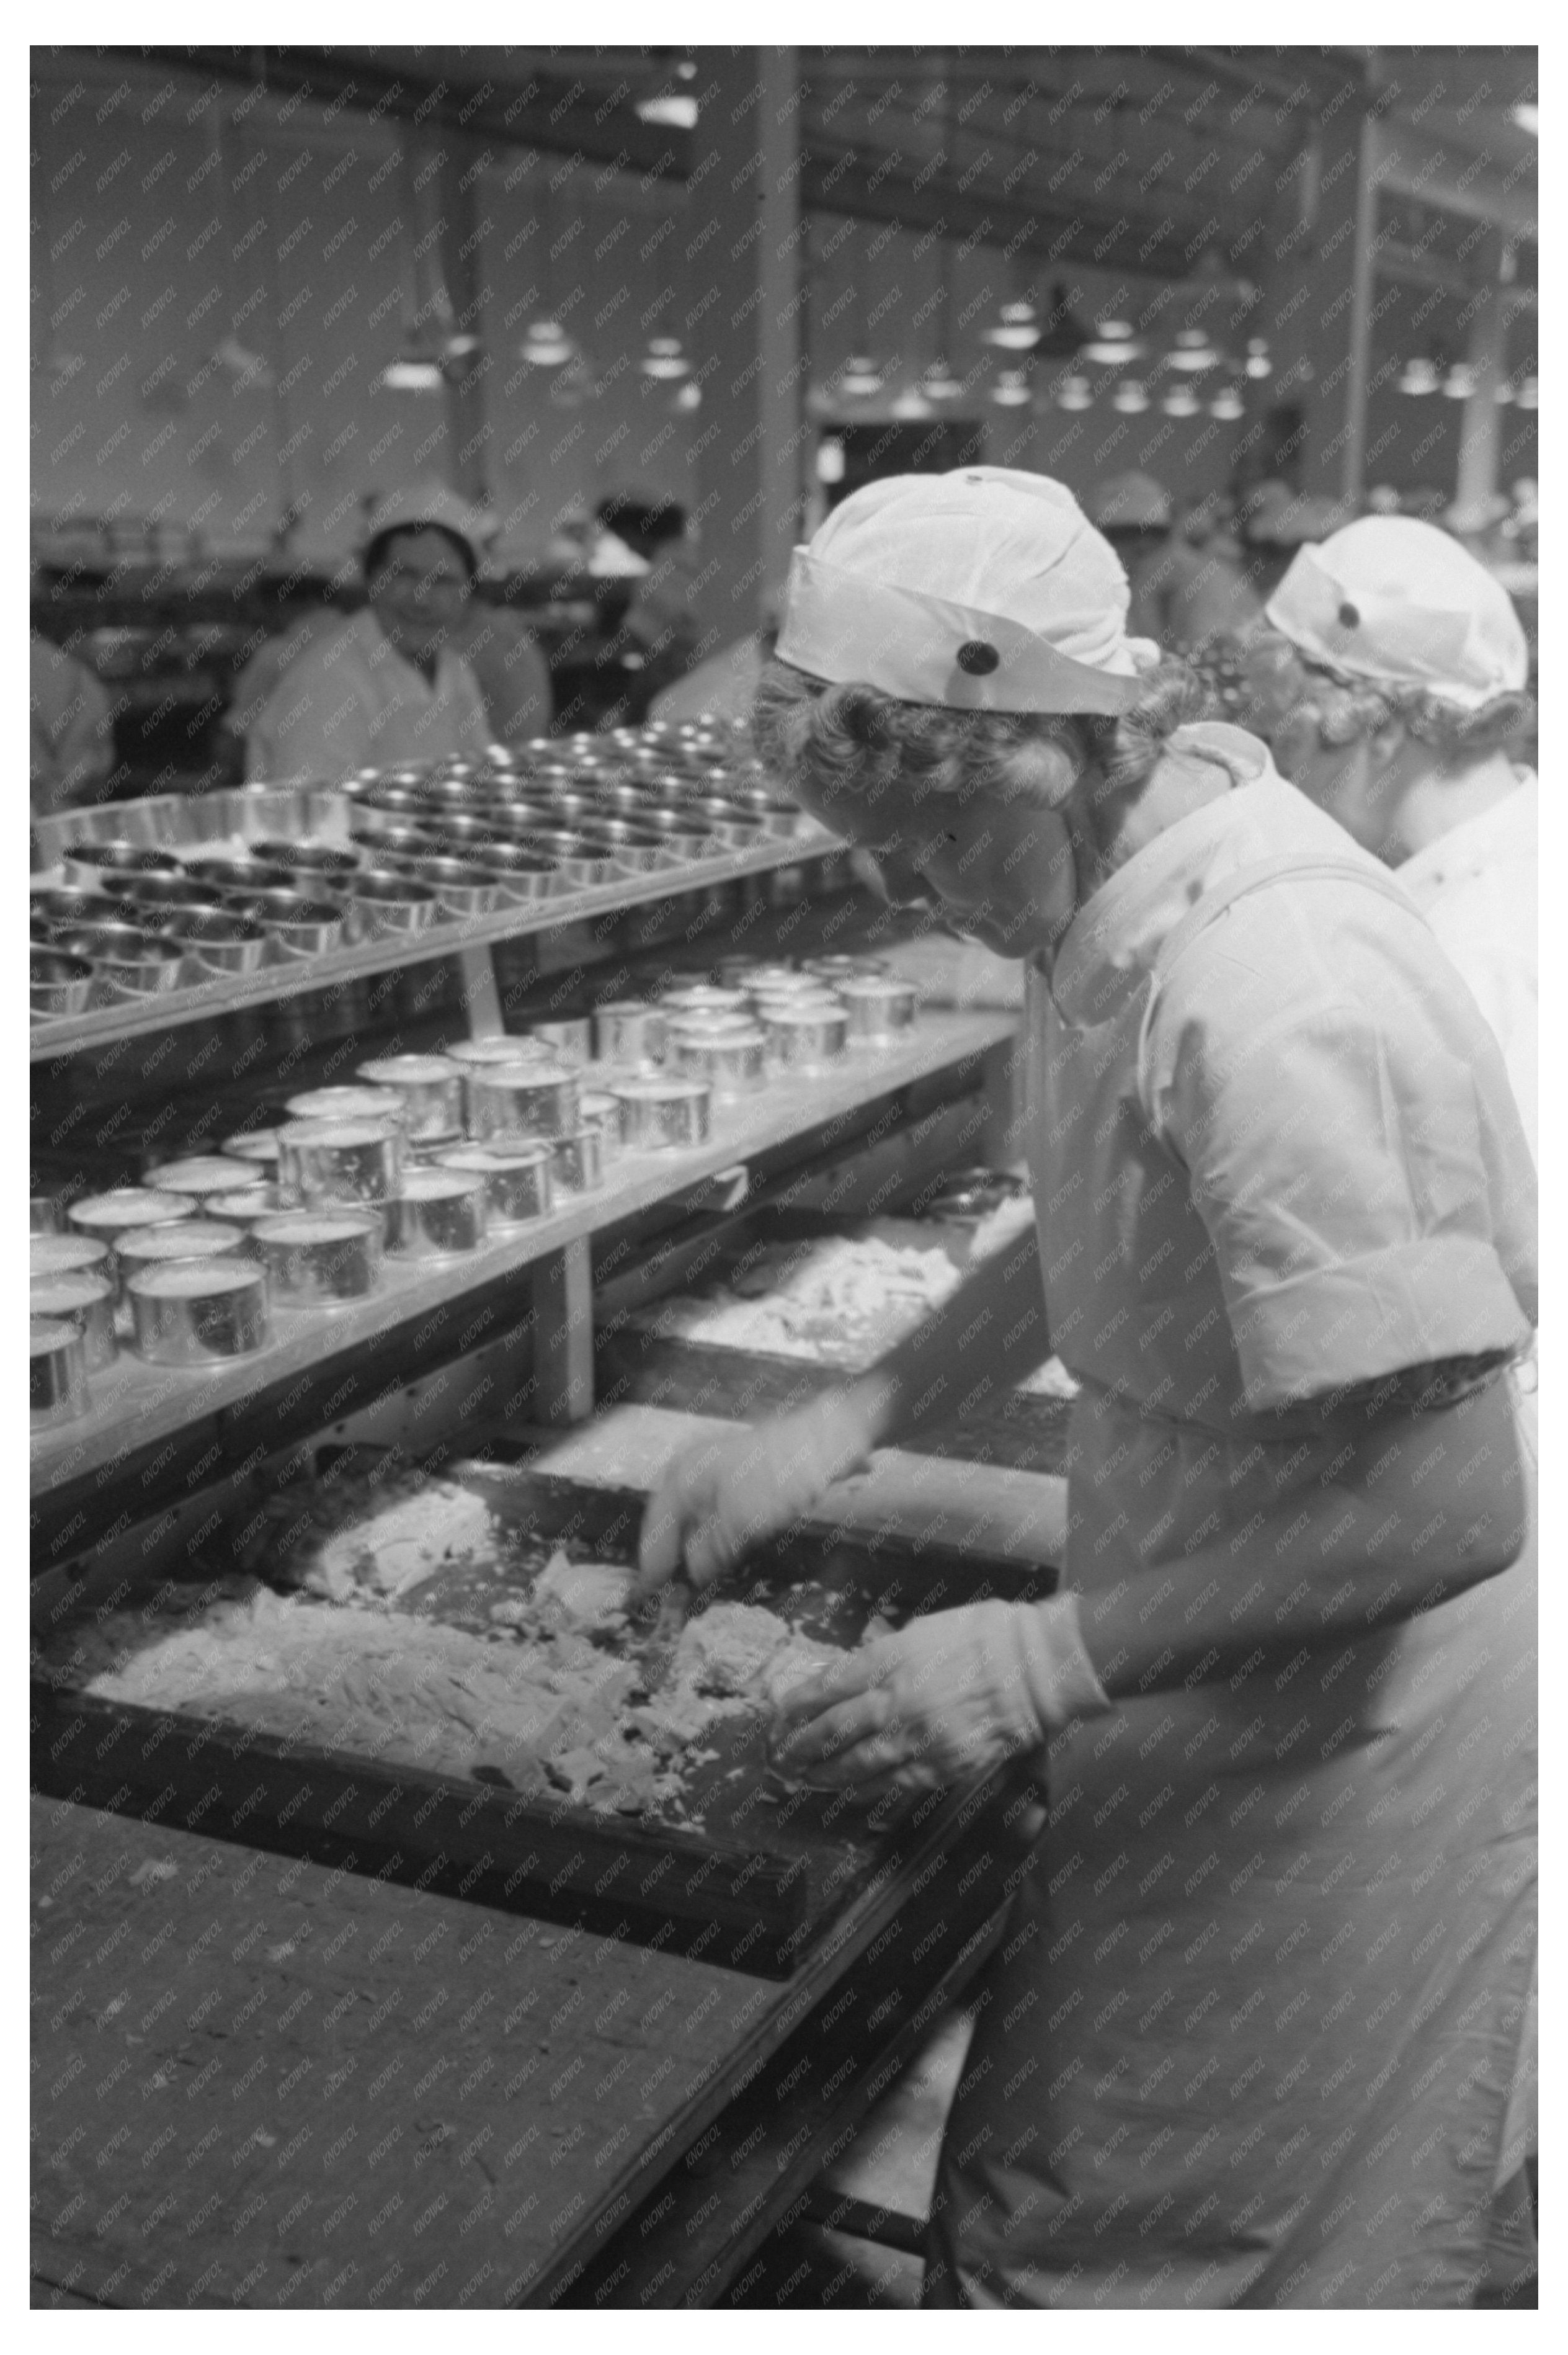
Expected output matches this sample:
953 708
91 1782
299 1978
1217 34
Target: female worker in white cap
386 686
1392 685
1248 2039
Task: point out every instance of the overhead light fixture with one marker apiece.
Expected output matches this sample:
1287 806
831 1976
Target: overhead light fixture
1418 377
1017 328
1011 390
940 383
1074 393
1529 393
860 378
1528 119
460 347
1179 401
675 108
1460 383
415 369
1258 363
688 397
1129 397
912 403
664 360
1114 345
829 461
1194 352
545 344
1227 406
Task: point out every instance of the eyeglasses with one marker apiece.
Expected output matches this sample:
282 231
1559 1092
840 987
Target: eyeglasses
397 582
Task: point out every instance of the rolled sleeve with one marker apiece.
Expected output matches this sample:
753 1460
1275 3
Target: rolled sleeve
1343 1159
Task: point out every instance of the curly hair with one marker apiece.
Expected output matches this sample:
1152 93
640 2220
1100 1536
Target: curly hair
1266 682
829 738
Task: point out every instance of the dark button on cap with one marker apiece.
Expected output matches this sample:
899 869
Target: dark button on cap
977 658
1350 617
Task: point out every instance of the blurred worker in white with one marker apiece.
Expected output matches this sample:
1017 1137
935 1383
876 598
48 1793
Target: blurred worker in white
72 749
387 684
1392 702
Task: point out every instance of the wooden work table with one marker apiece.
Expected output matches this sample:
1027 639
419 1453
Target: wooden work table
259 2082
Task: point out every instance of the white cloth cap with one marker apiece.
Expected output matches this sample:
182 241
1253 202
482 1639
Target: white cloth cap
985 590
428 503
1400 603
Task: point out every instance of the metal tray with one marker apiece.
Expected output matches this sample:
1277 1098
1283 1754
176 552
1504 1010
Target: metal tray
633 1363
753 1888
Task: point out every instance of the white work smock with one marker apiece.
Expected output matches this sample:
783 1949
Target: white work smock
348 700
1250 2038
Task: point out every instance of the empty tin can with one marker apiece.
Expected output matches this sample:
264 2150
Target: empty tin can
629 1031
56 983
579 1162
516 1173
220 940
58 1254
56 1373
570 1042
301 925
200 1312
128 962
341 1160
85 1301
105 1216
317 1259
426 1087
199 1175
147 1247
661 1115
437 1213
878 1007
598 1109
521 1100
386 906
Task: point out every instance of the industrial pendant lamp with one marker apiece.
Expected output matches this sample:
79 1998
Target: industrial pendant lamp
1015 329
664 360
1418 377
545 343
1011 390
1129 397
417 367
1113 343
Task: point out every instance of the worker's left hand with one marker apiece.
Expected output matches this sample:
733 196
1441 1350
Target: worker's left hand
946 1699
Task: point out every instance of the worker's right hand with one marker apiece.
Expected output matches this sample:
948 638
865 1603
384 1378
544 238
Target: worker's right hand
733 1491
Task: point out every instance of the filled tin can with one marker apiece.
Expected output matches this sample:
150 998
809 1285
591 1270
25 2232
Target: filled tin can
437 1213
106 1216
506 1047
200 1312
246 1205
702 997
428 1091
878 1006
663 1116
147 1247
199 1175
43 1214
804 1037
516 1175
341 1160
60 1254
843 967
56 1373
259 1146
521 1100
733 1062
318 1258
343 1103
629 1031
85 1301
579 1162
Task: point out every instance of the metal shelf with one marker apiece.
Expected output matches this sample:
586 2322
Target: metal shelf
136 1405
72 1034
